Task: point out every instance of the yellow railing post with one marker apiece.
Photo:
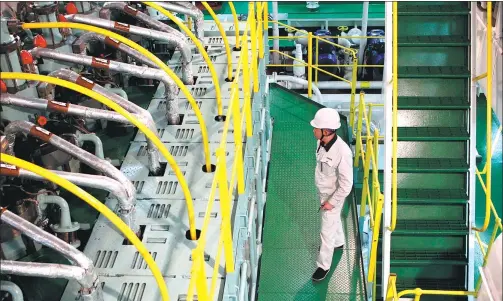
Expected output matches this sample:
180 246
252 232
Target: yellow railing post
366 171
224 37
201 284
316 58
394 175
375 238
260 30
265 8
361 108
246 86
253 33
238 141
391 294
353 91
310 65
236 24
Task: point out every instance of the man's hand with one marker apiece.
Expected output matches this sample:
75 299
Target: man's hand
327 206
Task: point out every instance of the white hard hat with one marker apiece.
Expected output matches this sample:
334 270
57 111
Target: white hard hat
326 118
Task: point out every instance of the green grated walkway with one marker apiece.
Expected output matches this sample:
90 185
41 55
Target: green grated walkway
292 222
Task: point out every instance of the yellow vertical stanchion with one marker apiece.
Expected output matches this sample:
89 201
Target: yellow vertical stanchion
375 238
376 160
310 65
246 85
316 71
361 108
260 30
353 91
253 35
238 139
226 209
236 23
265 17
201 284
366 171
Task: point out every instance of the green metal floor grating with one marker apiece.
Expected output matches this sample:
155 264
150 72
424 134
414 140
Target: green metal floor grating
292 222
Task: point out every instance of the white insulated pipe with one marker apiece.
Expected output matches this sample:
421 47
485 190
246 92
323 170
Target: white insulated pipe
363 41
298 81
189 9
94 139
275 32
65 222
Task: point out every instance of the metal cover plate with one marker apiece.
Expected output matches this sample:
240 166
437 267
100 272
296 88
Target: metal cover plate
204 88
216 57
139 288
208 108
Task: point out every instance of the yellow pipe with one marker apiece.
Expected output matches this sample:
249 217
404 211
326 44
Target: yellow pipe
375 238
236 24
476 79
419 292
149 55
224 37
310 65
266 16
216 268
246 86
201 49
130 235
254 34
394 175
324 37
144 129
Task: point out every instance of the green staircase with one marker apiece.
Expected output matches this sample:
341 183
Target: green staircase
429 245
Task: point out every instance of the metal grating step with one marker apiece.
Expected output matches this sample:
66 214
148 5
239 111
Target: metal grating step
428 103
433 10
451 196
433 71
432 134
431 228
433 41
432 165
406 257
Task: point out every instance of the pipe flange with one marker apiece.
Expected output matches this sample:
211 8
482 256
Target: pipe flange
58 229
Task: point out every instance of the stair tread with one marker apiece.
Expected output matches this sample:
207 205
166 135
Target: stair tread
432 9
432 133
431 284
431 227
415 257
451 40
431 164
433 71
431 195
432 102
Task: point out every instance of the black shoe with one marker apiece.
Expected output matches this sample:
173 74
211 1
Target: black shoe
320 274
339 248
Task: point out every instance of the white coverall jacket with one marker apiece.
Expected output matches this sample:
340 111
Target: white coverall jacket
334 181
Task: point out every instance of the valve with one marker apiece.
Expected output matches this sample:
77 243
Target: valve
71 8
3 87
27 62
65 32
39 41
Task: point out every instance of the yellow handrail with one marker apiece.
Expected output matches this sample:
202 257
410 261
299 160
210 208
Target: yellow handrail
266 15
99 206
394 175
224 37
489 93
144 129
236 24
260 30
201 49
149 55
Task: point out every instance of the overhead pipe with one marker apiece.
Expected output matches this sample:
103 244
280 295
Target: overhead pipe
187 8
143 17
275 33
127 211
87 37
15 292
87 276
80 179
174 40
296 80
68 75
363 41
171 89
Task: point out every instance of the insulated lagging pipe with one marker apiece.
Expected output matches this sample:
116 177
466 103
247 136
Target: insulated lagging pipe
88 280
15 292
80 179
170 39
143 17
189 9
66 74
65 223
127 211
171 90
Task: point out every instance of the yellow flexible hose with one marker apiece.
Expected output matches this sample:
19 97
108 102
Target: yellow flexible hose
224 37
199 46
148 54
98 206
236 24
143 128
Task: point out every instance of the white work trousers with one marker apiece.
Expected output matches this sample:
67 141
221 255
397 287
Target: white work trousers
332 235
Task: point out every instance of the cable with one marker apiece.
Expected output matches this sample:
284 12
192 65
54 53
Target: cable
199 46
149 55
98 206
148 133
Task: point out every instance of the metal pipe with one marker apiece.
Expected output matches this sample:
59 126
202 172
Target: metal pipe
190 9
98 145
89 279
171 89
65 222
15 292
85 180
363 41
300 81
243 282
275 32
127 211
170 39
145 116
344 85
92 36
143 17
118 91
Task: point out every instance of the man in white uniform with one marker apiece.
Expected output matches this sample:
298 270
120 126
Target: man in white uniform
334 181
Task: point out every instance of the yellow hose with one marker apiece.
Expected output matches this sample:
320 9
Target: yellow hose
224 37
98 206
199 46
236 23
146 53
144 129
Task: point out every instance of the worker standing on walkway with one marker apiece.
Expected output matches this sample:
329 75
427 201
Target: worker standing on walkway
334 181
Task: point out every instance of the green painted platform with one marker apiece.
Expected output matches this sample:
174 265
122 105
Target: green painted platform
292 222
